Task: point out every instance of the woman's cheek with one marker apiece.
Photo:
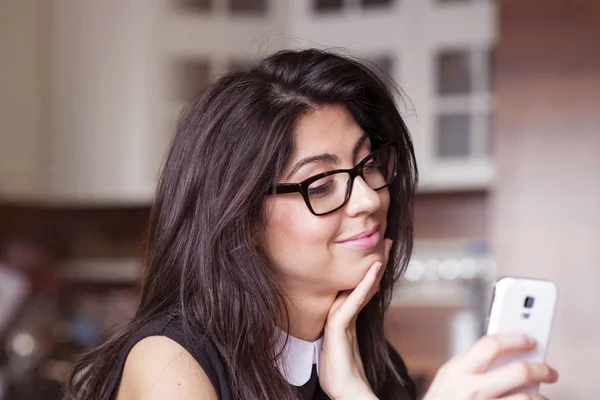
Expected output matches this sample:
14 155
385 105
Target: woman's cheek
297 241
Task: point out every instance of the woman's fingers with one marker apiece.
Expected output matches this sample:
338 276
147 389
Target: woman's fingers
349 303
489 348
515 375
468 376
387 245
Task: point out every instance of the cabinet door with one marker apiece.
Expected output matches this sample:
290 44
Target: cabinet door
104 89
23 30
457 39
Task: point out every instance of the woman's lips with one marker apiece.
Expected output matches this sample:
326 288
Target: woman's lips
366 242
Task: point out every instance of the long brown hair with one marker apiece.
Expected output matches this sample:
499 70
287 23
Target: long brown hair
231 145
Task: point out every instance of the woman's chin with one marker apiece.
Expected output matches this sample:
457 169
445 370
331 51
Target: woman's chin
350 278
351 282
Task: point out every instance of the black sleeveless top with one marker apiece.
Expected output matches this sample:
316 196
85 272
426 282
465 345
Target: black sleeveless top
206 354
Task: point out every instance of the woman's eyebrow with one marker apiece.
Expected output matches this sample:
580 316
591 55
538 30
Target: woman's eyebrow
327 157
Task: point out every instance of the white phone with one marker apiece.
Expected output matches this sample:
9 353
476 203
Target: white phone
523 305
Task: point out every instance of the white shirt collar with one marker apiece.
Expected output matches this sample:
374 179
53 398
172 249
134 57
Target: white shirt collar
297 359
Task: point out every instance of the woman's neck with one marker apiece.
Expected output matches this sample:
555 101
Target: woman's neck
307 314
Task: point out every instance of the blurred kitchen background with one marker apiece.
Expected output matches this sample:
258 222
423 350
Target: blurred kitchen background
503 100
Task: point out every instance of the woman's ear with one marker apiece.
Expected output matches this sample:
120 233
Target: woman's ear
256 237
255 240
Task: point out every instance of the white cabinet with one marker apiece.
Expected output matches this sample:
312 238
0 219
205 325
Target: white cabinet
95 88
105 81
91 89
439 52
88 128
458 41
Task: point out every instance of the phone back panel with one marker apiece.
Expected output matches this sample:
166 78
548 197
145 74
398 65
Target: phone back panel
523 305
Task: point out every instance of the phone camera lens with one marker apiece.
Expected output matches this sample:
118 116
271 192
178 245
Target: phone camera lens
529 302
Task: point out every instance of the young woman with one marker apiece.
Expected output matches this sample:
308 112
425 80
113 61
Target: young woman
282 220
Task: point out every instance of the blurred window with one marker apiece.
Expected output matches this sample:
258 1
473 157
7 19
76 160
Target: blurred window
239 64
249 6
464 116
454 72
376 3
489 143
195 5
328 5
191 78
488 60
454 139
385 63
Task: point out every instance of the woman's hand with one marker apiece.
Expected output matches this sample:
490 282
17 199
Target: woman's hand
341 371
467 378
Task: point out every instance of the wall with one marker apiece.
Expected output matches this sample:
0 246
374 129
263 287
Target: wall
546 203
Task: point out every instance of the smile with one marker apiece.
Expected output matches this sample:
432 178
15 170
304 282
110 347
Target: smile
363 241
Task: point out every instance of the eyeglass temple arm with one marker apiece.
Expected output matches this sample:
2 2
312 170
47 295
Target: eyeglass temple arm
283 188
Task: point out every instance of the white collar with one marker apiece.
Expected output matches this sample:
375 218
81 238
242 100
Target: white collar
297 359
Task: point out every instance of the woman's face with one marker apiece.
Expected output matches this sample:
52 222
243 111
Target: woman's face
313 252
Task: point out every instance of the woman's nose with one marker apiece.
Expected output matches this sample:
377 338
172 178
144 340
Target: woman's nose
363 199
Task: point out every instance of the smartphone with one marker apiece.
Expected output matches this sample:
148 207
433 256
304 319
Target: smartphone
523 305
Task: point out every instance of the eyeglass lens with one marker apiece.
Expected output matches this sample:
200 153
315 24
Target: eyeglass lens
330 192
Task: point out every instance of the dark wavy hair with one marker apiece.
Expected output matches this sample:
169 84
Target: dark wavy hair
231 145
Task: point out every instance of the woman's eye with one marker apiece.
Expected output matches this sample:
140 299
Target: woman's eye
372 164
320 189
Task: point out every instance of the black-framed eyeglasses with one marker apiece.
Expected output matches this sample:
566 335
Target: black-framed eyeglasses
329 191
